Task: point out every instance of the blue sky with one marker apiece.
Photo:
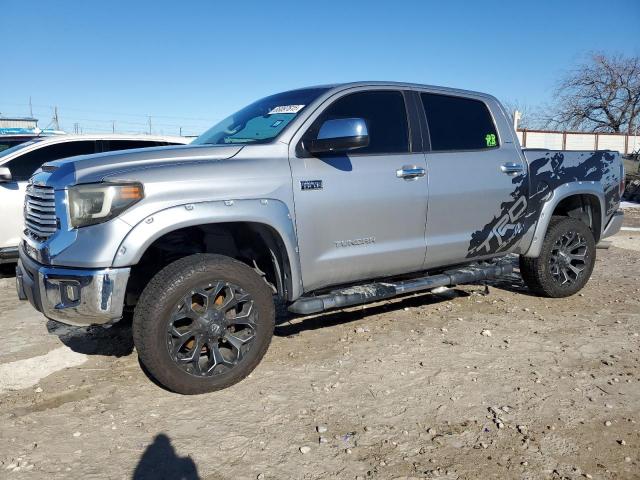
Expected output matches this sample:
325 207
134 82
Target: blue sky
190 63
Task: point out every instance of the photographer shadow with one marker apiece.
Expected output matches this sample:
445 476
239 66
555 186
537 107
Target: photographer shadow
160 462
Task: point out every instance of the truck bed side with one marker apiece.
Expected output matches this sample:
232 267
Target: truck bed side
555 175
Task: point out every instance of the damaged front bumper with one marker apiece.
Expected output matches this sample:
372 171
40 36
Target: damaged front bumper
73 296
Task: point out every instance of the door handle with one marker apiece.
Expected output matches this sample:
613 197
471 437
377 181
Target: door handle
410 172
511 168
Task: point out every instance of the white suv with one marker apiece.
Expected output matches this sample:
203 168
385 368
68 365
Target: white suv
18 163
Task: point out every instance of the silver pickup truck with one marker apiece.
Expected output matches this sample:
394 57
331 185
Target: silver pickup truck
317 198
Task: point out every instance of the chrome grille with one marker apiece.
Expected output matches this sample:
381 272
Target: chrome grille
40 212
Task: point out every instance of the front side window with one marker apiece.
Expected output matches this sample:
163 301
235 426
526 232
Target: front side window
6 144
457 123
14 148
385 114
261 121
24 166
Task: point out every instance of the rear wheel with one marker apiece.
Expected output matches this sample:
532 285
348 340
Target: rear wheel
566 259
203 323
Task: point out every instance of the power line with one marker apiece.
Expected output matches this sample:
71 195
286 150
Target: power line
102 112
146 124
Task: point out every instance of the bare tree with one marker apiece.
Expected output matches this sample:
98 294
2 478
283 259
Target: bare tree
602 95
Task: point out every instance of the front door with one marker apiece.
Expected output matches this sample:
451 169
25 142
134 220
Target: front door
360 215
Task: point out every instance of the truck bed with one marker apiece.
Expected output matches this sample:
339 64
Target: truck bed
549 169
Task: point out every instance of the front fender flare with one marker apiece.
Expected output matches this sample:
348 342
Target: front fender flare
273 213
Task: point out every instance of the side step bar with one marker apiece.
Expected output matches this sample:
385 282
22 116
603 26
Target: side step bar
374 292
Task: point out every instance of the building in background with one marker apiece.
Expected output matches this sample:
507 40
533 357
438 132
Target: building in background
558 140
624 143
17 130
18 123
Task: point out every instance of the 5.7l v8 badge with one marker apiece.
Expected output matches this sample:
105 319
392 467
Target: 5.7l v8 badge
310 184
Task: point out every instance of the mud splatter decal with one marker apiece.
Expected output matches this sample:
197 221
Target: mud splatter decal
520 212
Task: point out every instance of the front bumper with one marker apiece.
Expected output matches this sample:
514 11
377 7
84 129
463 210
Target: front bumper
74 296
8 255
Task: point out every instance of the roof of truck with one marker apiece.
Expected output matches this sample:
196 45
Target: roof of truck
442 89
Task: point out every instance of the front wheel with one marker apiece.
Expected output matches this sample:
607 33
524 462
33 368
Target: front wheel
203 323
566 259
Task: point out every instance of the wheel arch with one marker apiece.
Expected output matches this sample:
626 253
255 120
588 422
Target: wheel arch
232 228
582 200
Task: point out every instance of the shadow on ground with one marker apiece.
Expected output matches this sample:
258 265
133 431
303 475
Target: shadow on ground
116 341
7 270
336 317
289 325
160 462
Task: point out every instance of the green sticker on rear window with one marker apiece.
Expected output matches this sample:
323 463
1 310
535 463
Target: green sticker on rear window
490 138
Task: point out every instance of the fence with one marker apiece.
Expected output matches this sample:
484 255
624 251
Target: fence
555 140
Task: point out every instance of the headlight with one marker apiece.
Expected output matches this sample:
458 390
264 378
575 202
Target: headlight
96 203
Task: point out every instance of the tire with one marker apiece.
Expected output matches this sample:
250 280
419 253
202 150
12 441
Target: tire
203 323
549 275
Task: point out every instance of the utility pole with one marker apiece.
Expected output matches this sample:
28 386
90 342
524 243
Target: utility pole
76 128
56 120
149 124
30 107
180 131
517 116
113 126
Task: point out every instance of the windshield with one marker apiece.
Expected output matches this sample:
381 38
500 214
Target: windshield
15 148
261 121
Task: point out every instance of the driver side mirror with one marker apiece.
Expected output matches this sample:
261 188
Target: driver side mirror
340 135
5 175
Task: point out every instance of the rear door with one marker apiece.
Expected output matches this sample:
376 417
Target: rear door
356 218
477 187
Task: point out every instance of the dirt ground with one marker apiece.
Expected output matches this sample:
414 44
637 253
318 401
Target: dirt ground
409 388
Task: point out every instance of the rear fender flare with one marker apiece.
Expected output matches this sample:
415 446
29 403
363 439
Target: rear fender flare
566 190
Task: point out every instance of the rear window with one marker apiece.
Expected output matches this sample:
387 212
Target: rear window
115 145
457 123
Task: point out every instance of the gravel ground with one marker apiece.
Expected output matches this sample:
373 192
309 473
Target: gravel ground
463 384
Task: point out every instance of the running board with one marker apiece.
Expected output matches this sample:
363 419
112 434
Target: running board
374 292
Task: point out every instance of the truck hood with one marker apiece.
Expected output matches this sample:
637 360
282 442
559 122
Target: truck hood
94 168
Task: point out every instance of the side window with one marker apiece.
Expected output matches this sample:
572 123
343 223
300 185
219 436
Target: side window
113 145
6 144
385 114
25 165
457 123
